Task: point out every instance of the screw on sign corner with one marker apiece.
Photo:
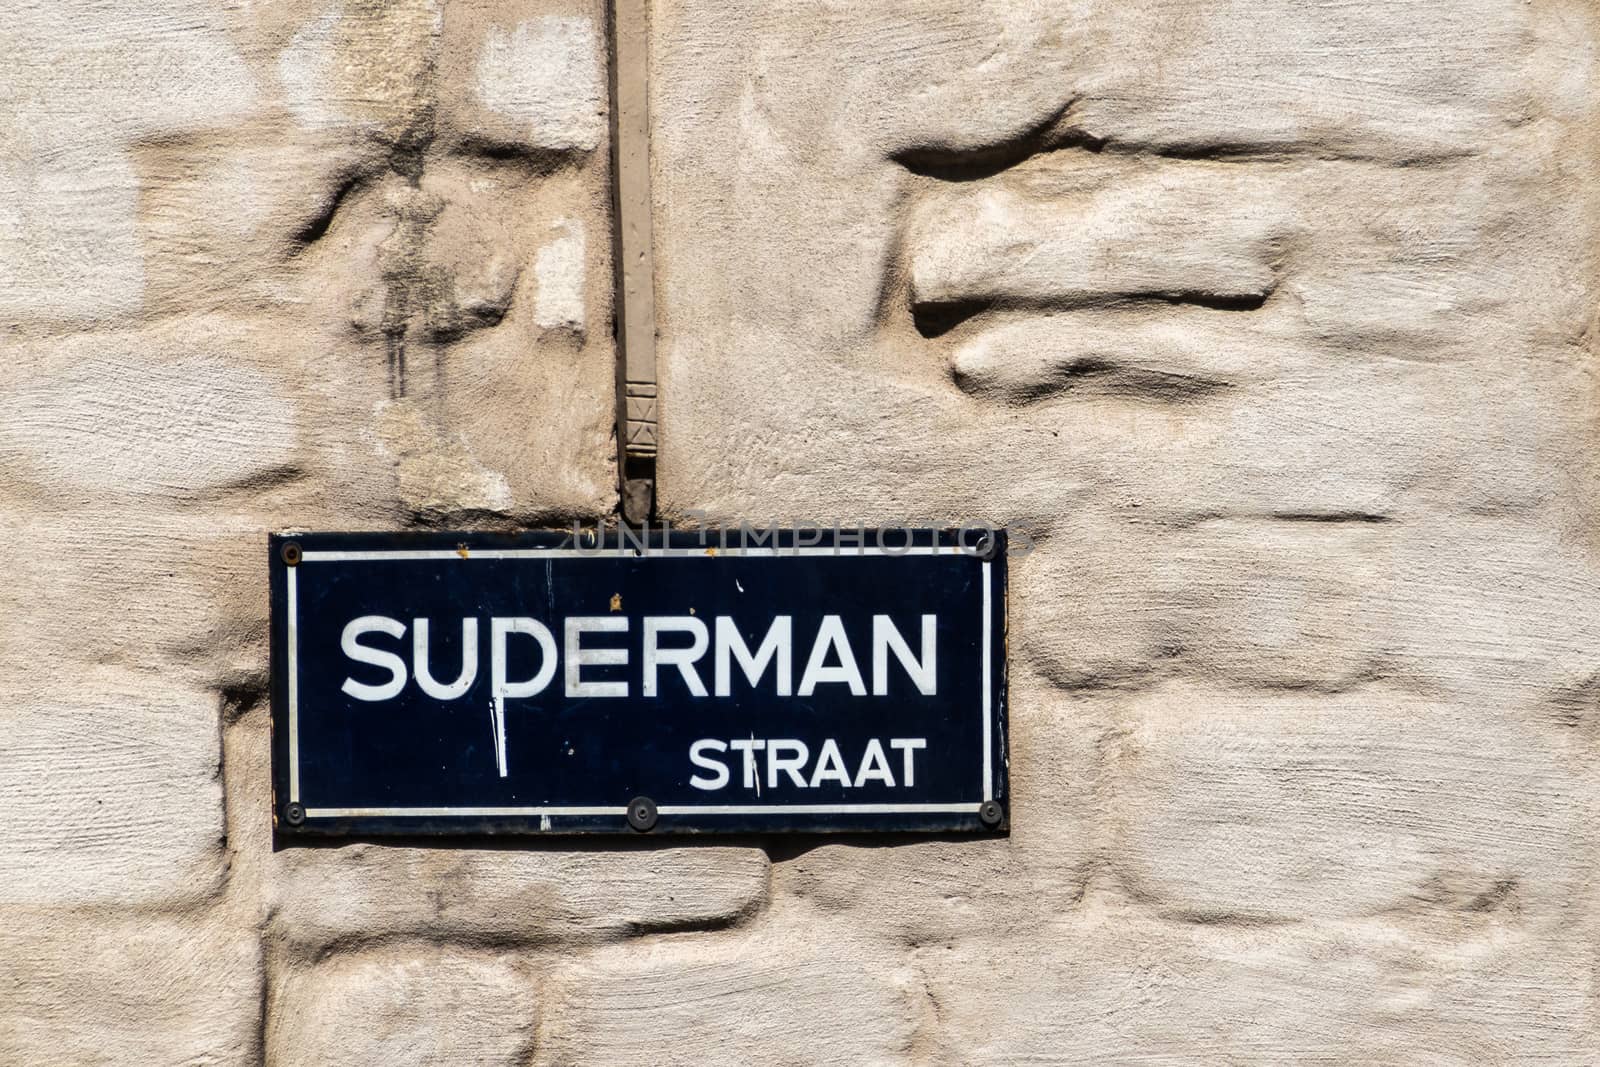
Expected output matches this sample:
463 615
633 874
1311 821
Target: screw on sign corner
294 814
988 547
642 814
991 814
290 553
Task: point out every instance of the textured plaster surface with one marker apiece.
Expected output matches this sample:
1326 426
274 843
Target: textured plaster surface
338 265
1270 324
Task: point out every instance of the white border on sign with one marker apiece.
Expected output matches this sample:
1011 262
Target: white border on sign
709 552
294 688
406 555
665 809
988 741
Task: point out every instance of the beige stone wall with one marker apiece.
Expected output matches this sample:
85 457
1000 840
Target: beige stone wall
1272 323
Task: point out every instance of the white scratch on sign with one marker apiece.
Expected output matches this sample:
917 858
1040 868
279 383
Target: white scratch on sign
497 724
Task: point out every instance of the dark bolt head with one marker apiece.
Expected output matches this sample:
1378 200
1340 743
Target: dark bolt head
642 814
978 541
991 814
294 814
290 553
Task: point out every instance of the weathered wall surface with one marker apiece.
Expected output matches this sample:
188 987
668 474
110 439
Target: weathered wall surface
1272 322
322 264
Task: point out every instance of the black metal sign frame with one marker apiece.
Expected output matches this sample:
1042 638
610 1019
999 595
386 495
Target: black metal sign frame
820 710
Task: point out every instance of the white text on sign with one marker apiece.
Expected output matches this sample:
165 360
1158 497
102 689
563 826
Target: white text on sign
669 643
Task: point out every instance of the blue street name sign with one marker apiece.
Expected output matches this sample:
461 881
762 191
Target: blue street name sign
685 683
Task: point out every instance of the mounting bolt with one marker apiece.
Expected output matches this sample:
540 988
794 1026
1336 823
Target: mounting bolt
642 814
294 814
988 546
991 814
290 553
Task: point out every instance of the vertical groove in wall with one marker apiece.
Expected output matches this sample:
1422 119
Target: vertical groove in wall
634 306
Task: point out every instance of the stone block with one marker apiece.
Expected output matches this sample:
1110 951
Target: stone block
534 893
1431 89
1478 608
1114 988
100 988
144 419
420 1005
111 781
193 611
786 992
1254 807
85 80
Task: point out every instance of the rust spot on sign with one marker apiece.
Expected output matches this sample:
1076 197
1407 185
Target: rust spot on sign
461 550
616 601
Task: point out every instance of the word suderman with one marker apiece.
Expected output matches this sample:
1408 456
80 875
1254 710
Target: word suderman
830 660
707 659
